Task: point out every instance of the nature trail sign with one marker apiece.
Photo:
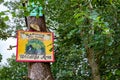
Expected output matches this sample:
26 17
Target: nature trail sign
35 46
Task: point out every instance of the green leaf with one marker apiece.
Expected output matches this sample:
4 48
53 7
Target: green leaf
79 15
1 1
79 21
2 13
13 14
117 72
6 18
111 1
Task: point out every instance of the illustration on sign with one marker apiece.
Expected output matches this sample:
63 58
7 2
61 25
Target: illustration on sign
34 46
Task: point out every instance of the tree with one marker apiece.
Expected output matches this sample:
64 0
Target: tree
39 71
43 67
84 28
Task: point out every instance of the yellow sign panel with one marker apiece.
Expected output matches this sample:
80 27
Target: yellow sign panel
34 47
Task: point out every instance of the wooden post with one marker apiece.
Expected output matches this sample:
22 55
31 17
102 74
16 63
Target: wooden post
38 71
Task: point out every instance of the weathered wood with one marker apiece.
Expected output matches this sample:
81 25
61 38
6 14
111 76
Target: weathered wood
37 21
38 71
91 56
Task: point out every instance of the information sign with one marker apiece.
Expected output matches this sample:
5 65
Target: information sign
34 46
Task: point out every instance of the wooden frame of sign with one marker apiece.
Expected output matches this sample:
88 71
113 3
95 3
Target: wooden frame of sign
34 46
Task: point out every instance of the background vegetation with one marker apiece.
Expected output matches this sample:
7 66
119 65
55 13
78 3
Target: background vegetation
86 31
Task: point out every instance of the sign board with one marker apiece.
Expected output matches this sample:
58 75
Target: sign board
34 47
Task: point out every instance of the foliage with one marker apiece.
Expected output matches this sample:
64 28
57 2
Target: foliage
14 70
77 24
11 19
84 22
3 27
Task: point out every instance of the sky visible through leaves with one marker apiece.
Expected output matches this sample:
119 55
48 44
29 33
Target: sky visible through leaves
4 45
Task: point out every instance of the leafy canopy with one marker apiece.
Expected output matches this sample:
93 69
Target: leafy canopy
77 23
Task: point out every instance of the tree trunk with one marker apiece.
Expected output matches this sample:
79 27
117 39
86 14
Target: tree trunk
93 64
91 56
38 71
